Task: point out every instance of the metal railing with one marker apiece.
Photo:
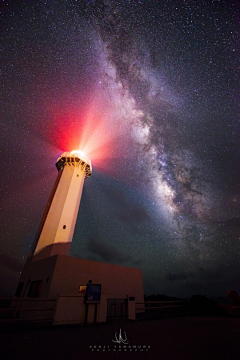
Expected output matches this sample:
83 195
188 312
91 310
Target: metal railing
154 305
26 309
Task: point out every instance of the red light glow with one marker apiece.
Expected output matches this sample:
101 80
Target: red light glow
90 129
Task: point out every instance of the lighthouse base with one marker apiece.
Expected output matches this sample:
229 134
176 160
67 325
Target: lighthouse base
98 290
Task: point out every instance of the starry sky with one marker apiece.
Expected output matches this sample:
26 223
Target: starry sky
149 91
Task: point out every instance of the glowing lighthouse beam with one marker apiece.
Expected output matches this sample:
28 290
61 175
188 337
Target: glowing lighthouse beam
78 152
55 232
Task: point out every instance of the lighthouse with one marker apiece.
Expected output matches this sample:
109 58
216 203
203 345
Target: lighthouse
71 289
55 232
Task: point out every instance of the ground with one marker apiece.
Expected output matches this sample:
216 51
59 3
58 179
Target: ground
183 338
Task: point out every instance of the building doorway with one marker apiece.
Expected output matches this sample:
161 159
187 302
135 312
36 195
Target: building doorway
116 308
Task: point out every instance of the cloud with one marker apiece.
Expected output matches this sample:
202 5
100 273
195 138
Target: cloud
106 251
201 275
210 275
132 214
174 277
125 209
205 278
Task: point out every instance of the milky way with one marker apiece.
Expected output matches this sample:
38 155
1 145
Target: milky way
149 90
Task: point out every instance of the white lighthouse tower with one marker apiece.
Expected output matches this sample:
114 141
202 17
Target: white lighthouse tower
69 289
55 232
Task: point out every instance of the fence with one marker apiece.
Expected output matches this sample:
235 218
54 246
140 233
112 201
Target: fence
156 305
38 310
26 309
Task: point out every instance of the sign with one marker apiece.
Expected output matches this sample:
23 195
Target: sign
93 293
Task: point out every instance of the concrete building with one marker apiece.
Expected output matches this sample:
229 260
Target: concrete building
84 290
65 278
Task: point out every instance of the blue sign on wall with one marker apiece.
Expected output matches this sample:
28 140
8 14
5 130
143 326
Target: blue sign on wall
93 293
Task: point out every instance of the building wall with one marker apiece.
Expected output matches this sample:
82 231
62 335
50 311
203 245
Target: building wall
64 274
54 249
117 281
38 270
61 276
70 309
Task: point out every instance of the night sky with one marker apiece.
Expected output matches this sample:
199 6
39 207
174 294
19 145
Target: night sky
149 91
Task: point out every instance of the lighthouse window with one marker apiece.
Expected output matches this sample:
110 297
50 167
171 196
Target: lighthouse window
35 288
19 289
64 226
